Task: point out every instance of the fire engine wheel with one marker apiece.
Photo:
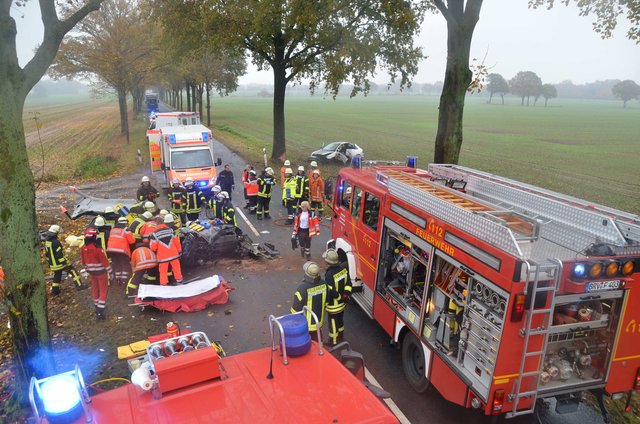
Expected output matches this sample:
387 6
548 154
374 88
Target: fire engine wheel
413 363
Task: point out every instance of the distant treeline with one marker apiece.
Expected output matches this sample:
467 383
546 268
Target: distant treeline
46 88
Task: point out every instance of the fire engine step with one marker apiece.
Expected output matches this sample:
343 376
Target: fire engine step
364 302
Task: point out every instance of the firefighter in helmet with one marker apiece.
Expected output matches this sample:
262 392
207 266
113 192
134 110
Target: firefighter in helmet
266 182
337 278
283 172
194 198
178 199
146 191
289 194
58 262
313 293
97 265
227 209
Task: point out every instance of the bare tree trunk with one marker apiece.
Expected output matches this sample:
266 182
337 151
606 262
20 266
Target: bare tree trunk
208 88
546 101
124 116
461 22
200 93
279 148
502 95
193 98
188 97
490 97
180 98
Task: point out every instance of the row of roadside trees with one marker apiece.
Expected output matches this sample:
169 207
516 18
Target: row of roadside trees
526 84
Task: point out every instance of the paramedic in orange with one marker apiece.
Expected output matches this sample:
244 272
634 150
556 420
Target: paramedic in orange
316 193
119 250
167 248
144 265
97 265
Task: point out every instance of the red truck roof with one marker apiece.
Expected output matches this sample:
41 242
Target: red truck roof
311 388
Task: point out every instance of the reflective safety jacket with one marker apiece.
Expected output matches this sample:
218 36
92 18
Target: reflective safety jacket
55 254
290 188
137 209
165 244
251 185
313 294
103 236
314 223
94 259
145 193
136 227
316 189
120 241
265 185
178 199
337 278
194 199
143 258
302 186
110 219
147 229
229 214
216 207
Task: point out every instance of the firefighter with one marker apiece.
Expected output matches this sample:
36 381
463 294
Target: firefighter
251 190
144 266
119 250
170 222
194 199
225 180
265 189
142 207
137 224
283 172
316 193
215 203
305 226
146 191
314 167
227 209
95 262
176 219
312 293
102 232
245 180
150 227
302 188
337 279
168 249
58 262
110 216
289 194
178 198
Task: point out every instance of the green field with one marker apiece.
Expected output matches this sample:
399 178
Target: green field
589 149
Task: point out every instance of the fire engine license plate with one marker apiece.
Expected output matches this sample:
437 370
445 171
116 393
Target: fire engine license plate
603 285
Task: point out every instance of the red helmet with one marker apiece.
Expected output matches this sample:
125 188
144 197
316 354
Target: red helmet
90 233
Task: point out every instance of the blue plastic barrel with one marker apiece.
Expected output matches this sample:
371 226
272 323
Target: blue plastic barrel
296 334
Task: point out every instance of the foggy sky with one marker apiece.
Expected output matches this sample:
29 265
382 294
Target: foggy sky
556 44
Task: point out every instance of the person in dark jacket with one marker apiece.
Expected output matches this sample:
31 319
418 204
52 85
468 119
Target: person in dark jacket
58 262
146 191
337 279
225 180
312 293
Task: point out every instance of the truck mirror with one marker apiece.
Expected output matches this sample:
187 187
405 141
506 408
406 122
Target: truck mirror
162 166
218 161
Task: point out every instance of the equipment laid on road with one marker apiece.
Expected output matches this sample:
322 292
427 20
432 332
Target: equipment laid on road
187 378
500 293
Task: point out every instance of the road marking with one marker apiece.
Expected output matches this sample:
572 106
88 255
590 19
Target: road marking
390 403
238 210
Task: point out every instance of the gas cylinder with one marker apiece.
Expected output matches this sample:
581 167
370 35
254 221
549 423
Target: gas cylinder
172 329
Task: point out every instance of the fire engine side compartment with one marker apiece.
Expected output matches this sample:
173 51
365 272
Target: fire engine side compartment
626 354
312 388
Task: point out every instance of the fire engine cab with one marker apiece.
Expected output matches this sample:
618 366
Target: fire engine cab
499 293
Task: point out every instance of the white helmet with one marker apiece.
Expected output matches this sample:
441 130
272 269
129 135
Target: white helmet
301 168
188 181
316 172
216 189
145 179
99 222
175 181
311 269
223 195
147 215
164 212
288 171
287 162
314 164
150 206
252 172
109 209
55 229
269 171
122 220
168 219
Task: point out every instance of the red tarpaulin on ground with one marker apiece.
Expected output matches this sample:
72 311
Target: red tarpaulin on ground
217 296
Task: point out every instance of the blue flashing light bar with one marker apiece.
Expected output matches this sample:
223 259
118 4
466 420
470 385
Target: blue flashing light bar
172 138
356 161
412 162
205 136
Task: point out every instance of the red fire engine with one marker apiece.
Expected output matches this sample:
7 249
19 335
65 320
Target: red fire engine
500 293
183 379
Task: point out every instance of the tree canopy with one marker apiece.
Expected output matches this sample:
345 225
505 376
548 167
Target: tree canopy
526 84
548 91
626 90
497 84
325 42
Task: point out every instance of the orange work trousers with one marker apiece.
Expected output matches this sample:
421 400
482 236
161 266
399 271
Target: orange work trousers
163 267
